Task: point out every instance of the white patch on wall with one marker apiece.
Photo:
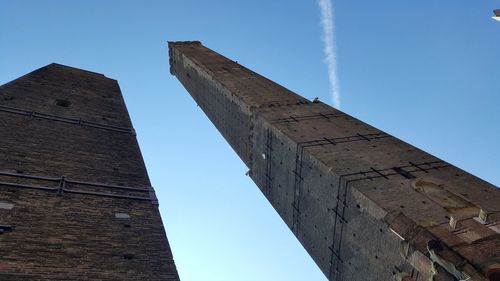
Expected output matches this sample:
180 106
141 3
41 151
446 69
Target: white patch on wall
6 206
122 216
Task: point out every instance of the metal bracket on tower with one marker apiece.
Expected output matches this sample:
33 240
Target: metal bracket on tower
62 185
152 196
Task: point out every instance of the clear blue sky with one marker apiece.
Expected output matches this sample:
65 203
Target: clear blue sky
427 72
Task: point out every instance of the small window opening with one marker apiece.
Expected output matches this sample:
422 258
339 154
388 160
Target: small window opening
128 256
63 103
5 228
494 274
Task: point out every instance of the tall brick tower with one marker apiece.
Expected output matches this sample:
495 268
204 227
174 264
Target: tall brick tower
364 204
75 199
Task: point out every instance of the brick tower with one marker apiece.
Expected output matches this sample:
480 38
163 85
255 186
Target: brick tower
75 199
364 204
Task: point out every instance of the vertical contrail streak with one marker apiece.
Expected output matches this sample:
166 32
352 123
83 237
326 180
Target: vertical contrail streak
330 49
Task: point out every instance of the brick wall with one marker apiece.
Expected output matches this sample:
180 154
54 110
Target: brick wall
364 204
99 222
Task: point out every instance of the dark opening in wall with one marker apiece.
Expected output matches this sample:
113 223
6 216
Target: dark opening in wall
5 228
63 103
128 256
494 274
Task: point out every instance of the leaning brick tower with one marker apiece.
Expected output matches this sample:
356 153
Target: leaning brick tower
364 204
76 202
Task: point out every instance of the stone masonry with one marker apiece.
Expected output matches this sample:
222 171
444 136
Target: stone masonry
75 198
364 204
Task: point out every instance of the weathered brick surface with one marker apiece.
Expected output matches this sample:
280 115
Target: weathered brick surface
74 236
364 204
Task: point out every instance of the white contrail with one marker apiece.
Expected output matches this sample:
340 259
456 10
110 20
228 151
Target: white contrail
330 49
